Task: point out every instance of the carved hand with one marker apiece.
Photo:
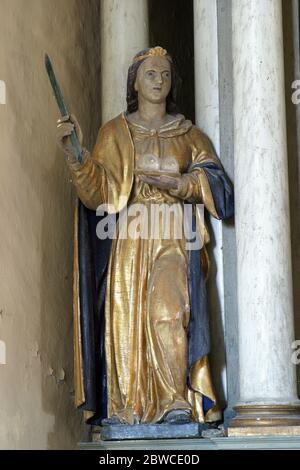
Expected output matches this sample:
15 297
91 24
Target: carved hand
163 181
65 126
176 185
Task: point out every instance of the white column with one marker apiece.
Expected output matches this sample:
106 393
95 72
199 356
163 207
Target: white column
124 32
207 118
267 374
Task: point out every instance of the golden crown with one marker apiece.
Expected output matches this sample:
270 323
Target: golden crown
153 52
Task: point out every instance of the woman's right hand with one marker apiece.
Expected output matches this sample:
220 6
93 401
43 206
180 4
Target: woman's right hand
65 126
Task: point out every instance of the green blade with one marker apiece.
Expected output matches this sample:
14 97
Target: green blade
55 86
62 106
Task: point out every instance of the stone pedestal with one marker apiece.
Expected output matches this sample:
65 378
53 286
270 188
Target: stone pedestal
148 431
265 420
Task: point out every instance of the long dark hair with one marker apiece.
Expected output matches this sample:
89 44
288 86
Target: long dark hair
132 95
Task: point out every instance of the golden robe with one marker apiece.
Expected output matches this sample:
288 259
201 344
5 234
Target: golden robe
147 306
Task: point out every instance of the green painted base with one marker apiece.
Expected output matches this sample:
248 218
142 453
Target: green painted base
218 443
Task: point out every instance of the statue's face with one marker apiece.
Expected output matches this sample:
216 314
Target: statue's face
153 81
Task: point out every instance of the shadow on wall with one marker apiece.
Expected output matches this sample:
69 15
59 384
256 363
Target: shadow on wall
82 91
171 27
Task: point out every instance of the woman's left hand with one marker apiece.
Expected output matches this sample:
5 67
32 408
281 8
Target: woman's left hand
163 182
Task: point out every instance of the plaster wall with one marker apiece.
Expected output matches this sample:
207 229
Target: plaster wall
36 207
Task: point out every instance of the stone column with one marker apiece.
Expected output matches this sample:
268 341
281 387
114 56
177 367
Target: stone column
124 32
207 118
268 398
213 106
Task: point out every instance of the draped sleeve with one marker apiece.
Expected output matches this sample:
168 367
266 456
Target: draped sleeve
206 181
106 177
90 181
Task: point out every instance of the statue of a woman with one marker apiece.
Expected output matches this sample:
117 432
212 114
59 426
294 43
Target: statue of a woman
141 323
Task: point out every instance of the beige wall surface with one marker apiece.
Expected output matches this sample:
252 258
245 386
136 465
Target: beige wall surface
36 207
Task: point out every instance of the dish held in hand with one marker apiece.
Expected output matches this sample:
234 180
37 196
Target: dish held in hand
150 165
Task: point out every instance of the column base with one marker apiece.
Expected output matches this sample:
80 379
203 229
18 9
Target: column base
265 420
